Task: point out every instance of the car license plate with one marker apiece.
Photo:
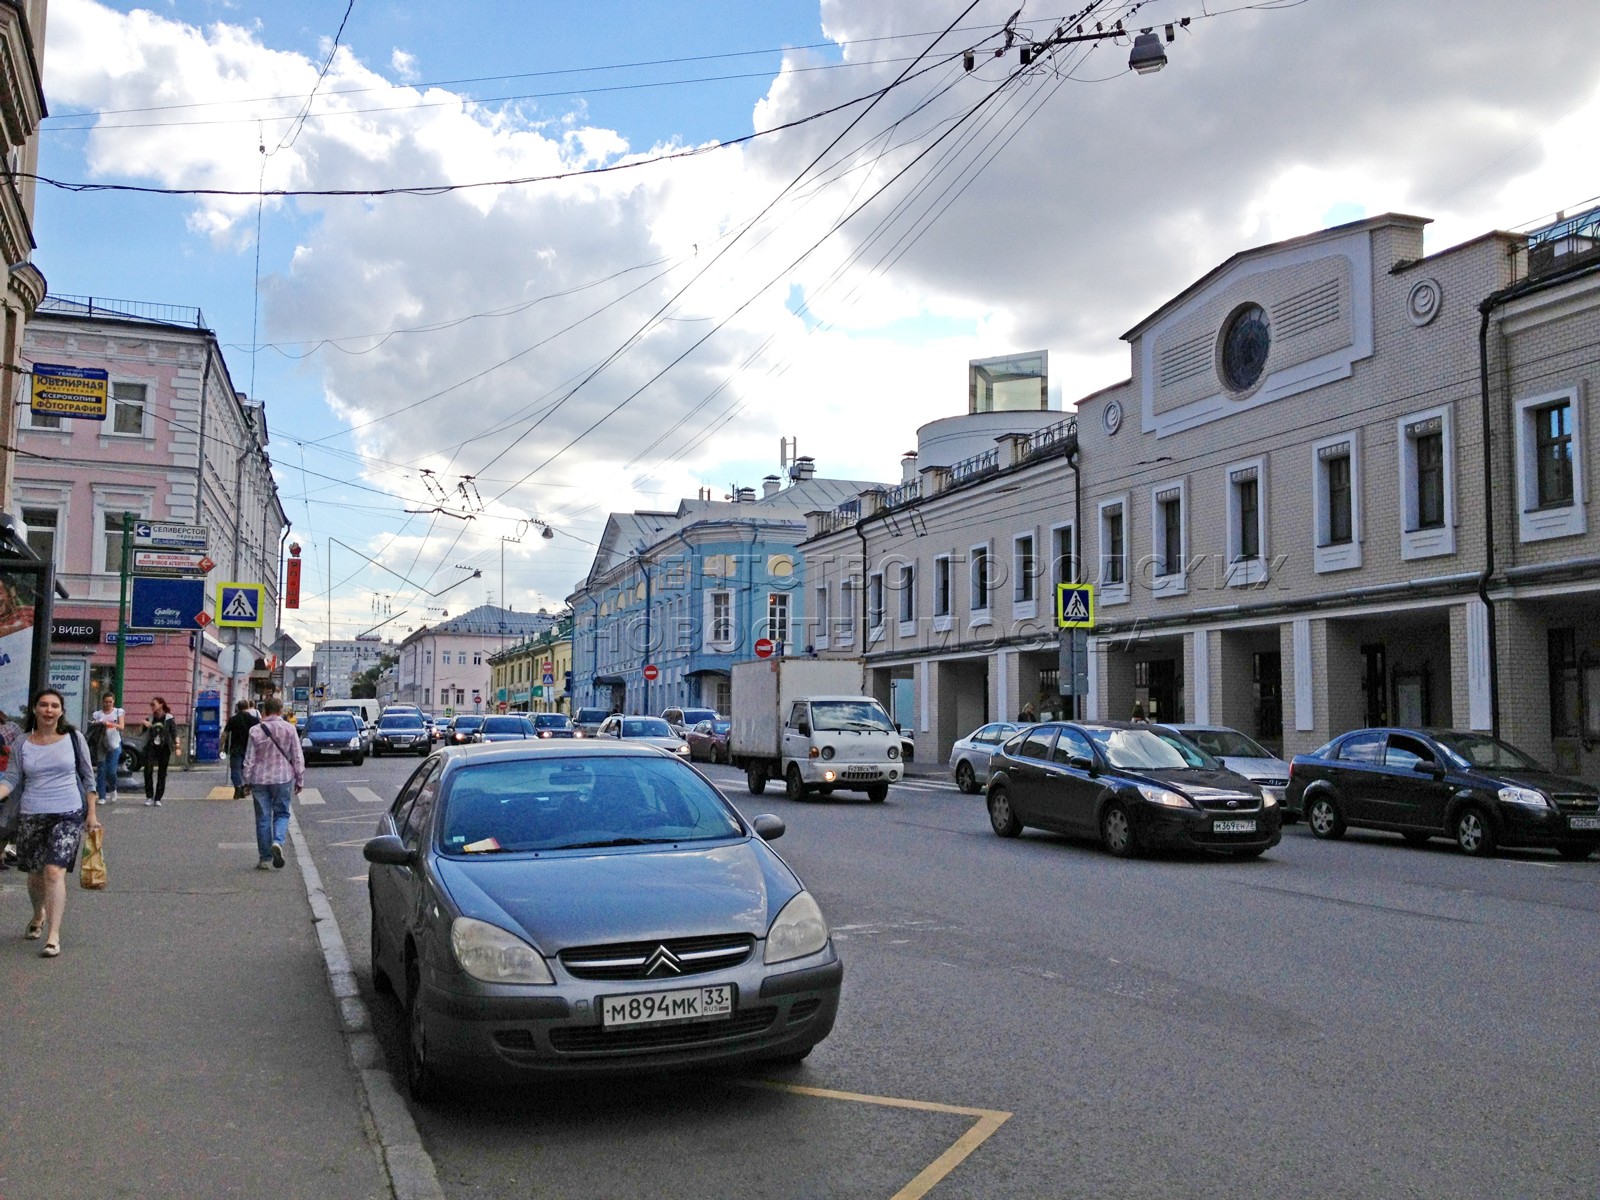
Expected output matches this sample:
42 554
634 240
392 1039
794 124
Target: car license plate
1583 822
1241 826
659 1008
329 750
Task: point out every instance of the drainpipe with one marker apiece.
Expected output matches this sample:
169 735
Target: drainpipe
1077 541
1484 310
862 534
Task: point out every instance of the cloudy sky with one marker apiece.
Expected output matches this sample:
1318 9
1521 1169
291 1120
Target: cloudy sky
557 340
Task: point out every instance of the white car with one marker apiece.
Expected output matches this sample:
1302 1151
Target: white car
1241 755
652 731
969 757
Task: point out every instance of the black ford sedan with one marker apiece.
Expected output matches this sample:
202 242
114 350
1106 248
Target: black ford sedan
571 907
1129 787
1427 783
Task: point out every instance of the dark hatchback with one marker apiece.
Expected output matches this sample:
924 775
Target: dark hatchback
333 737
1427 783
577 908
461 728
401 733
1128 787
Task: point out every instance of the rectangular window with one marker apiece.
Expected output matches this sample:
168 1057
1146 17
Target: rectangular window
427 697
1064 555
980 579
778 617
41 523
1552 433
1171 537
1564 694
820 637
461 696
908 594
1429 451
941 586
477 658
112 524
847 612
427 658
1026 568
875 601
1341 525
43 420
127 408
1113 553
1248 495
722 617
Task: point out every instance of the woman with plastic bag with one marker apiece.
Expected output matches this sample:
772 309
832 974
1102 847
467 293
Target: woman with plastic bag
51 768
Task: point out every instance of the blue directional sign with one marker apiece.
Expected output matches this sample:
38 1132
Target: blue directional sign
164 604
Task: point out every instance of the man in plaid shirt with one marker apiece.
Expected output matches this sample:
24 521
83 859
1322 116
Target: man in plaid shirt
275 770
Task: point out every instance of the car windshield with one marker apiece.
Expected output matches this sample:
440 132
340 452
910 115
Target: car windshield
468 724
551 721
646 727
693 716
330 723
1225 743
504 725
401 721
1139 750
1194 755
560 803
859 715
1480 750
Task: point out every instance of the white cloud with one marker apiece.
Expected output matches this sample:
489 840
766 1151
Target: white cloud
1074 210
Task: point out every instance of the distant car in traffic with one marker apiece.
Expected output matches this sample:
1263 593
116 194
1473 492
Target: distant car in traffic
1425 783
708 740
587 721
652 731
1129 787
401 732
553 725
684 719
1240 754
461 728
589 908
333 737
969 757
507 727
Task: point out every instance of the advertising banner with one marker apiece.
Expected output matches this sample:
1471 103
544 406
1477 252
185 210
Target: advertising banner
168 604
24 633
70 391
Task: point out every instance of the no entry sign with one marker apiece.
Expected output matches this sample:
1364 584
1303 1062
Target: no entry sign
651 671
764 647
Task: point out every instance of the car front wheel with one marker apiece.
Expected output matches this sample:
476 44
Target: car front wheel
878 792
422 1079
794 787
965 779
1472 832
1324 817
1001 815
1116 830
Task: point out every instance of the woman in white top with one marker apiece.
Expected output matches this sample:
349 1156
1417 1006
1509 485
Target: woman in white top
51 765
111 749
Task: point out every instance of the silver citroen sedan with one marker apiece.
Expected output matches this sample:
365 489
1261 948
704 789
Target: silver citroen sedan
578 907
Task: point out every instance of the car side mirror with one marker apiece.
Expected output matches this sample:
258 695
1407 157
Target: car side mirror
803 729
389 851
1078 763
768 828
1427 766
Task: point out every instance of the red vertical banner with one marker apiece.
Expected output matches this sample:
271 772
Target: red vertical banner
291 585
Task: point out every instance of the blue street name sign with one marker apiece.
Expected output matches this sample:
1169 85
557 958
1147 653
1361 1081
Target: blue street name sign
134 639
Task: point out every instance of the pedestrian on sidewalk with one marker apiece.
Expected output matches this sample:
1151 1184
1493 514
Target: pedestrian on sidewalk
235 741
275 769
51 766
105 746
158 750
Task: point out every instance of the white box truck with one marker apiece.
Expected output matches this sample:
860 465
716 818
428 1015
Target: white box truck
806 721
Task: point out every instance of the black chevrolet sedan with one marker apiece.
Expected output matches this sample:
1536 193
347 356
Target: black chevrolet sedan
333 737
572 907
1427 783
1129 787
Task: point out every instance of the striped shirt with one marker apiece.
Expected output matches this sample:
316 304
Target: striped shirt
274 755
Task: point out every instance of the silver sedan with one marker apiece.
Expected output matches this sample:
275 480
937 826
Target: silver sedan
969 758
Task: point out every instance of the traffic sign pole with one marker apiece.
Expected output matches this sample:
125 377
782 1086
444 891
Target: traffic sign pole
122 609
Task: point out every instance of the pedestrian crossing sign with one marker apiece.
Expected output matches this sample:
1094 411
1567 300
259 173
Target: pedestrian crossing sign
1075 605
239 605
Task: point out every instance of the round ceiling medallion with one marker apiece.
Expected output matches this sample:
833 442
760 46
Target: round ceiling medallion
1246 341
1424 302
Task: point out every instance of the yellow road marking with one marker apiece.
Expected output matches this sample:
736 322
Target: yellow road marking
989 1120
220 793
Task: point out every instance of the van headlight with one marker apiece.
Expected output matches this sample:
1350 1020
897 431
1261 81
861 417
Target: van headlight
798 931
894 751
489 953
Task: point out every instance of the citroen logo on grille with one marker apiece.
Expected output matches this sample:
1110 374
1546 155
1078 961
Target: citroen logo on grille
662 962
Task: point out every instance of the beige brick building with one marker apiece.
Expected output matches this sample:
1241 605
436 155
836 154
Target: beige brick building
1286 508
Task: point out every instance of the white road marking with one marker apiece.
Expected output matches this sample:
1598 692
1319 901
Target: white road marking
365 795
311 796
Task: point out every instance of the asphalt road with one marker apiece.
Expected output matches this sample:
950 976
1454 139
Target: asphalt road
1358 1019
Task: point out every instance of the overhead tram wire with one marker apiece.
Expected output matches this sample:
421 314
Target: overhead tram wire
290 138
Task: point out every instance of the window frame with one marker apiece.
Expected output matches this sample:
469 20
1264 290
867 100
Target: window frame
115 404
906 601
1539 521
1418 540
819 638
1328 555
1025 574
780 613
1164 581
1246 571
876 607
943 593
1111 591
980 584
721 629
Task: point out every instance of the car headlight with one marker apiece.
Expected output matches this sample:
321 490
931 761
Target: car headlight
355 743
1269 798
798 931
1526 797
305 742
489 953
683 748
894 751
1163 796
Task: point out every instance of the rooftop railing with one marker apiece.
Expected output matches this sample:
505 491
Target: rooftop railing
101 308
975 467
1062 434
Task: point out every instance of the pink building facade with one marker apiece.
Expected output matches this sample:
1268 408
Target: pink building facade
178 445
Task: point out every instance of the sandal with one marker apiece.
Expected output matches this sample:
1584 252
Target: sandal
34 931
51 949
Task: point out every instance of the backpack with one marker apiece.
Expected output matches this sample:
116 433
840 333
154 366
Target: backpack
97 742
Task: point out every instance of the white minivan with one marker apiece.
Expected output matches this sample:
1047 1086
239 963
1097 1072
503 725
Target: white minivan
366 711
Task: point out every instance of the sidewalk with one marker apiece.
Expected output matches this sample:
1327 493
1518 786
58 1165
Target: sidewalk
186 1043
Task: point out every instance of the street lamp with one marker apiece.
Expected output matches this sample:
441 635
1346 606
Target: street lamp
1148 55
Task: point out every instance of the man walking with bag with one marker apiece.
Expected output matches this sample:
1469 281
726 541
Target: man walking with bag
235 741
275 771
